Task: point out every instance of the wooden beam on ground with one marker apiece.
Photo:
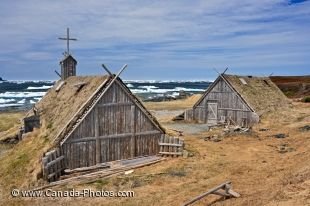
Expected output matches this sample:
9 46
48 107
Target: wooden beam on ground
83 179
87 169
171 153
227 192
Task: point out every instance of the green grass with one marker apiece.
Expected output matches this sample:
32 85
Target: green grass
306 99
9 120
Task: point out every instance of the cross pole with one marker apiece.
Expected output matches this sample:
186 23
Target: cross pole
68 39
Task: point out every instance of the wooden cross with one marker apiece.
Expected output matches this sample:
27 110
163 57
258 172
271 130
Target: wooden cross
68 39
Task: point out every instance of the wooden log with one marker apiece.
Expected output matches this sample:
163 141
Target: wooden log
221 193
59 86
211 191
171 153
87 169
172 144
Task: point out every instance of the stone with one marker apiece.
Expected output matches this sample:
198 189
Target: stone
280 136
305 128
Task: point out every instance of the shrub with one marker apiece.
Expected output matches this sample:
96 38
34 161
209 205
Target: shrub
306 99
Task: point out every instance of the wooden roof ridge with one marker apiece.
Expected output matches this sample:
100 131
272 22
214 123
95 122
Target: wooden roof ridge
81 112
222 76
140 105
68 56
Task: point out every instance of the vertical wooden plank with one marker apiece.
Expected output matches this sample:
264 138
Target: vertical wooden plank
54 166
175 148
133 130
58 166
45 169
162 148
165 141
98 149
170 147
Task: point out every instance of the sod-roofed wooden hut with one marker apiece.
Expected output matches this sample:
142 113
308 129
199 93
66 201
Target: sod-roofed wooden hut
96 119
238 99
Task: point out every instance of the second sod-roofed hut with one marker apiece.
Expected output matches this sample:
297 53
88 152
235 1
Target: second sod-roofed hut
236 99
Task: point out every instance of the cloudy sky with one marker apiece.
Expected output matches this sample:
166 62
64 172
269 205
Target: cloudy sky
159 40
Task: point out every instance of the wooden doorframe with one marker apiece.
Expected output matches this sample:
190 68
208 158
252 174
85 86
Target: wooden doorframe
213 110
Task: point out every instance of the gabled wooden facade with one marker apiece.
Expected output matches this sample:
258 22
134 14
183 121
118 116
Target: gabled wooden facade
236 99
92 120
115 127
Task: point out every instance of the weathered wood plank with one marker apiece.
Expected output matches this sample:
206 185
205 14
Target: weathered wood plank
211 191
98 148
55 161
113 136
171 153
115 104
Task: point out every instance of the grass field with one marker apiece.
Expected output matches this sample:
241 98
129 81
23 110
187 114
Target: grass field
260 170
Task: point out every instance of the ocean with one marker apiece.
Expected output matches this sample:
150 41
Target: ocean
21 95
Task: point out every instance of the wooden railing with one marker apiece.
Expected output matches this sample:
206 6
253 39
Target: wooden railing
53 165
171 146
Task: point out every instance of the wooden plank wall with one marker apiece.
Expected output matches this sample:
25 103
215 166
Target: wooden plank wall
229 105
171 146
188 115
123 132
53 165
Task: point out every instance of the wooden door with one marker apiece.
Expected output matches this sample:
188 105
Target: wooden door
212 112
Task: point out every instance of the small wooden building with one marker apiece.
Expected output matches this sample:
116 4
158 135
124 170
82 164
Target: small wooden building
30 123
237 99
95 122
68 66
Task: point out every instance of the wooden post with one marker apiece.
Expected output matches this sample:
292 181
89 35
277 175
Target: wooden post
133 130
45 169
98 148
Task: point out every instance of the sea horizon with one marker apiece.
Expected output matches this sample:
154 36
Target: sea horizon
23 94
